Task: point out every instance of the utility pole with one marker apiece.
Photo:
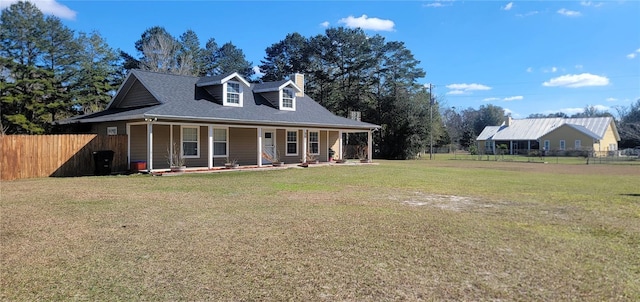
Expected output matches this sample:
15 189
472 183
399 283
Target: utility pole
431 100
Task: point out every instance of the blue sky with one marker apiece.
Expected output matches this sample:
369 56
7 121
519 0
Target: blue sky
525 56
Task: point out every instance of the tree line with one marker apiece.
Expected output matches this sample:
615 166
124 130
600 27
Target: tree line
49 72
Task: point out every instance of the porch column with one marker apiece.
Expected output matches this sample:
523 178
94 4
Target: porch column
171 145
150 146
369 146
259 156
528 147
304 145
210 148
493 147
128 145
341 154
511 147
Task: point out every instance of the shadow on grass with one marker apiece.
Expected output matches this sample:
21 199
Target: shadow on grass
631 194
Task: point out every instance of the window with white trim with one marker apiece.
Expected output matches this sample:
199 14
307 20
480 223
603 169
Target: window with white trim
233 94
578 145
220 142
288 99
562 144
314 142
547 145
292 143
190 137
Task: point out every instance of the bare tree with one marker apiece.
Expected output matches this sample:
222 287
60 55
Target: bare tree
160 54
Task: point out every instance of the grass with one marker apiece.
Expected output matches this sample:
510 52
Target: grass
400 230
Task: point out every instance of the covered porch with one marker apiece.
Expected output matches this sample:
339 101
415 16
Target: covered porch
159 145
514 147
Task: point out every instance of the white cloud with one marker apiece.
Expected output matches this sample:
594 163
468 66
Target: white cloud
529 69
456 92
256 70
513 98
589 3
457 89
568 111
579 67
439 3
577 80
508 6
510 112
48 7
507 99
568 13
365 22
531 13
468 87
633 54
325 24
553 69
611 99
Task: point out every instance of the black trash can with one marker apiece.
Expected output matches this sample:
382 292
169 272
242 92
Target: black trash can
102 160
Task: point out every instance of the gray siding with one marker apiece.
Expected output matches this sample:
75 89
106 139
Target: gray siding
243 145
138 142
160 146
137 96
101 128
216 92
273 98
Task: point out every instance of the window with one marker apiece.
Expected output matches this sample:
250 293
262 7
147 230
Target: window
562 144
219 142
314 145
292 143
112 130
190 142
547 145
288 98
233 94
578 145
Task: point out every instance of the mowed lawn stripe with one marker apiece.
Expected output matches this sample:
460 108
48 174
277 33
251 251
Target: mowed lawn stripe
443 229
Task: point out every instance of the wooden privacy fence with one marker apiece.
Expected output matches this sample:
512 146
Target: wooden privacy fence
29 156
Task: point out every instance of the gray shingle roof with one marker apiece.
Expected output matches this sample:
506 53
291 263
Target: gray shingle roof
532 129
176 94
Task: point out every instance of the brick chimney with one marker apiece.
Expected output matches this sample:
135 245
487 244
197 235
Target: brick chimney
507 120
298 79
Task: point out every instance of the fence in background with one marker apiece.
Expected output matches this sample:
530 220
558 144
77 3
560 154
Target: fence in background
592 157
29 156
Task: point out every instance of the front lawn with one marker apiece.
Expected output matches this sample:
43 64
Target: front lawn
412 230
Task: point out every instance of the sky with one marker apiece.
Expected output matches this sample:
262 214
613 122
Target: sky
524 56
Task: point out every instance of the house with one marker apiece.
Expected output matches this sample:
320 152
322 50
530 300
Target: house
558 136
209 120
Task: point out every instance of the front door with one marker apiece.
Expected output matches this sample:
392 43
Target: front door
268 147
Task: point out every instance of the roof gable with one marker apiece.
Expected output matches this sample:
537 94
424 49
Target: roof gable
579 128
275 86
533 129
221 79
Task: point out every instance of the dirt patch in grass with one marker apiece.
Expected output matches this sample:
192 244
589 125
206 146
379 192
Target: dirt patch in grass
445 202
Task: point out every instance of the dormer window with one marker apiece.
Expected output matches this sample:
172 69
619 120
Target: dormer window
288 99
233 94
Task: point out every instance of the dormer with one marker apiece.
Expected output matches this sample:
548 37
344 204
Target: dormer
228 90
281 94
